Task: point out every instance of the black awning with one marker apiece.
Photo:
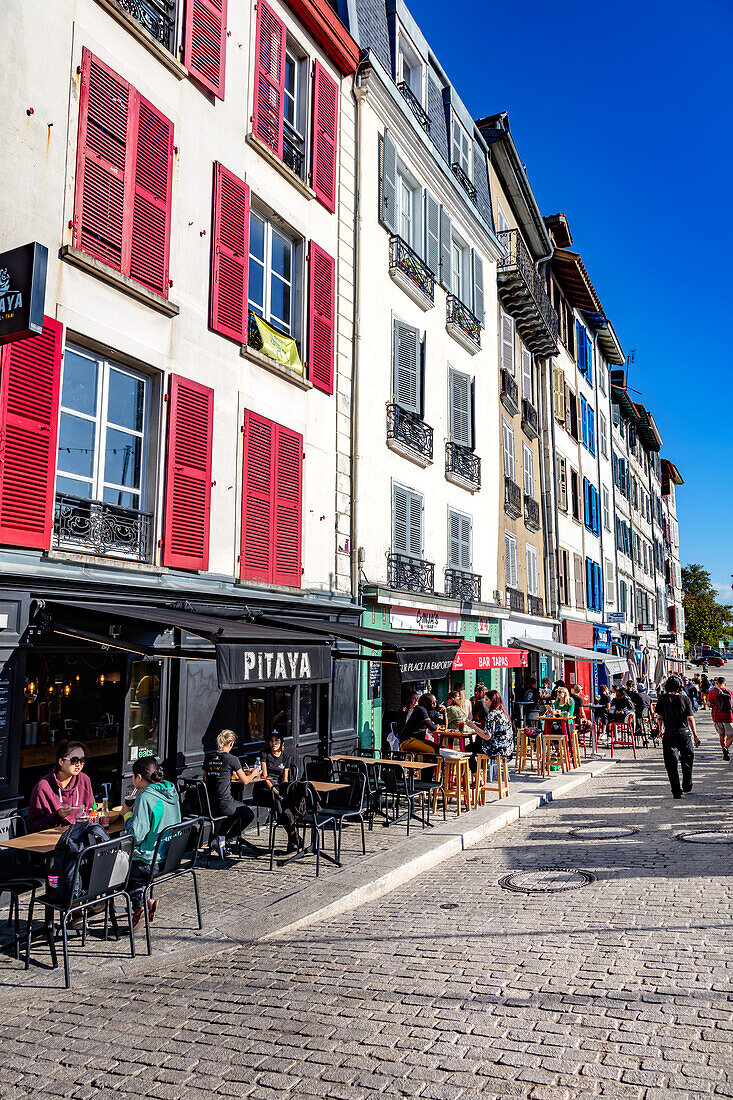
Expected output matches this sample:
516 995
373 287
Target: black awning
426 663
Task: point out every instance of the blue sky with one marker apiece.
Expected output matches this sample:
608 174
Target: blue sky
622 114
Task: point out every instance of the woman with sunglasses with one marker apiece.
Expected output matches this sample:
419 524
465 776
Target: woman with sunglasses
58 798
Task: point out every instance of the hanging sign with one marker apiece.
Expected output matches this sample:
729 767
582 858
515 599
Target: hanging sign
427 622
22 291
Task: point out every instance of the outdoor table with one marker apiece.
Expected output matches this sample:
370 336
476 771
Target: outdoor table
321 787
44 842
455 735
409 765
568 729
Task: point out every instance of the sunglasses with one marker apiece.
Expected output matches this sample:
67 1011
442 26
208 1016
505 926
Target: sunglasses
76 760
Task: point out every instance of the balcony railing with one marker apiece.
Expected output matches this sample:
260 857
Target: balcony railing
515 599
523 289
410 574
294 151
462 323
93 527
512 498
531 514
530 419
405 260
415 106
535 605
464 181
463 463
462 586
509 392
408 429
158 17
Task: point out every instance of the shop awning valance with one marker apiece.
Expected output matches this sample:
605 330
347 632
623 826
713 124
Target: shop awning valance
481 655
614 665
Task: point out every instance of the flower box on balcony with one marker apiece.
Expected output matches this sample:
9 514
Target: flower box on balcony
411 273
462 324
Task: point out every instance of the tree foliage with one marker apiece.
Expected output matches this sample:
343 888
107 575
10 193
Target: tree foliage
706 620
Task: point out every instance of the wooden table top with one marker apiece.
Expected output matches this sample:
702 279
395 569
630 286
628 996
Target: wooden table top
45 840
324 788
416 765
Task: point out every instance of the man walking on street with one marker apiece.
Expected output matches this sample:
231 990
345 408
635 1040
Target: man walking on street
675 710
721 703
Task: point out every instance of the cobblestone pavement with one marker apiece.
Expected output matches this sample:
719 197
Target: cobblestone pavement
450 987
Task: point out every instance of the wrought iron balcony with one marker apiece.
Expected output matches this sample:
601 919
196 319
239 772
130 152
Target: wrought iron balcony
463 463
462 586
158 17
523 290
410 574
530 419
515 599
93 527
463 324
464 181
408 429
405 264
535 605
294 152
415 105
509 392
531 514
512 498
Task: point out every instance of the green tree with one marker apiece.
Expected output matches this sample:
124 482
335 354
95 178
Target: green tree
706 620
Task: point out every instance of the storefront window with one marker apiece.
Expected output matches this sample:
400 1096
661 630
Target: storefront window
308 717
144 710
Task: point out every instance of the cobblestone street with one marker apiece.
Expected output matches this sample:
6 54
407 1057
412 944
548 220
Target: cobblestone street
449 987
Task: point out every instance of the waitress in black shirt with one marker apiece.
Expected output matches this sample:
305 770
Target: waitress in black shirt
219 768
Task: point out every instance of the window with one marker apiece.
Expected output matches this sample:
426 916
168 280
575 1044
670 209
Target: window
407 367
294 99
579 581
610 586
588 426
622 597
564 577
572 406
585 352
460 551
574 494
502 226
408 209
508 435
511 566
603 434
410 68
533 580
271 502
407 530
461 147
460 408
562 483
606 508
271 274
528 463
460 270
103 431
507 342
558 393
590 500
527 374
593 585
602 369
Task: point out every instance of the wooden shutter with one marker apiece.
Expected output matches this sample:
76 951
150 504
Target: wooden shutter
256 549
432 233
414 525
30 373
558 393
584 420
406 366
508 437
589 359
151 211
204 43
459 396
532 575
580 346
507 342
586 503
325 136
478 285
406 522
229 255
511 567
446 239
528 470
591 416
459 541
562 484
527 374
188 474
104 149
578 573
269 90
287 507
388 190
321 309
610 574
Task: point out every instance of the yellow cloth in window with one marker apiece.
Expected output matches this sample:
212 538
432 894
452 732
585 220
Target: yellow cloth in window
283 349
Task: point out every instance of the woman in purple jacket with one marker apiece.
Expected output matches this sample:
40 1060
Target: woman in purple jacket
59 796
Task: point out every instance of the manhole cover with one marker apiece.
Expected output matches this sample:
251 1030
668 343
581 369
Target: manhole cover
546 880
602 832
449 905
708 836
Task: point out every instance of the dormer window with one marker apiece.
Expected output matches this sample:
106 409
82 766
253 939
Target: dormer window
461 148
410 68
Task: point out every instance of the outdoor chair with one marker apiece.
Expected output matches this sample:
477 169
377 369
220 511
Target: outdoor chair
318 769
181 844
101 872
432 785
262 799
350 804
621 734
397 787
18 877
196 806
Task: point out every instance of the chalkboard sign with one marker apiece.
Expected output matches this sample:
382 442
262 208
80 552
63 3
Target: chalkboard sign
375 680
5 722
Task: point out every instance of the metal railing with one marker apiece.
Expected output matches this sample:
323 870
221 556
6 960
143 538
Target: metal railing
512 498
405 259
530 419
463 586
535 605
415 105
463 462
411 574
461 316
509 391
517 258
531 513
93 527
409 429
515 599
294 152
464 181
158 17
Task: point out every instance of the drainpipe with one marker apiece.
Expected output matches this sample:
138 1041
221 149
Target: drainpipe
353 412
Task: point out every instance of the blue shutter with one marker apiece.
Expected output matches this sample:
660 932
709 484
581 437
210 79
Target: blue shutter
588 583
591 417
580 346
600 588
589 359
586 502
584 421
614 463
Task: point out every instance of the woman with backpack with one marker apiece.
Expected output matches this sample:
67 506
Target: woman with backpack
153 807
721 703
674 709
58 798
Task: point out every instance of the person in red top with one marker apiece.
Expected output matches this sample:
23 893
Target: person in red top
59 796
721 703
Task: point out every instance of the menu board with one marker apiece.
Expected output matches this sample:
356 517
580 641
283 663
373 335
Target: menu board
5 723
375 679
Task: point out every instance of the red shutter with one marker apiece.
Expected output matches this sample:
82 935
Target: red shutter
321 307
102 162
269 91
188 474
204 43
151 211
288 482
30 375
230 255
325 130
256 549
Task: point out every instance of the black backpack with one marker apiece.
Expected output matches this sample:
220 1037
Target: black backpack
723 701
72 841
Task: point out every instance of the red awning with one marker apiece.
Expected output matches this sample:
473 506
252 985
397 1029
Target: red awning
478 655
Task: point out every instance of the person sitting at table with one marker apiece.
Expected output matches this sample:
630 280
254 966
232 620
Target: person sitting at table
564 704
479 706
153 807
220 767
59 796
496 737
581 714
558 684
272 791
454 713
417 730
621 706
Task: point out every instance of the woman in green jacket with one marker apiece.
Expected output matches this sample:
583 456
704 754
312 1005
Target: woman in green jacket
153 807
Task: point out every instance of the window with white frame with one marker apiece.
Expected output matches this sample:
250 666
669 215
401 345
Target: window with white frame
508 437
460 550
272 257
461 147
609 585
606 508
409 67
579 580
408 209
527 374
103 431
562 483
507 342
603 433
528 466
460 269
294 112
533 579
511 566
